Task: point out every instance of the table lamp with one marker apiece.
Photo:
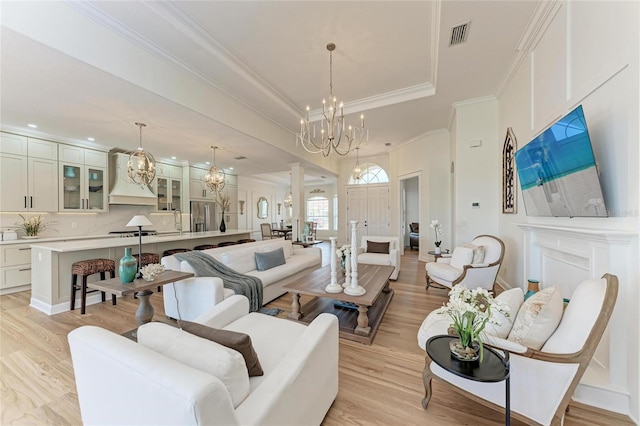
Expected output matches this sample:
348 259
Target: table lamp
139 220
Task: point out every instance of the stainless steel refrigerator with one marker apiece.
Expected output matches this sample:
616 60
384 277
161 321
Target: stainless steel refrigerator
203 216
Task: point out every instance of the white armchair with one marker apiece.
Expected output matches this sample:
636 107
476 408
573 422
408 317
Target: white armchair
542 381
467 265
371 254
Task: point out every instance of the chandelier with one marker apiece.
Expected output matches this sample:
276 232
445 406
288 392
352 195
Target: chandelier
288 199
357 170
333 134
215 177
141 166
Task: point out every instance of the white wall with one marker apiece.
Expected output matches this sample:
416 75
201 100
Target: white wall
252 190
427 158
586 53
477 170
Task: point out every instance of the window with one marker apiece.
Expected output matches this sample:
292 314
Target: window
318 211
335 212
371 173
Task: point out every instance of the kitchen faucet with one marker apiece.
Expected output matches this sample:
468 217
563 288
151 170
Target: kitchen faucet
177 220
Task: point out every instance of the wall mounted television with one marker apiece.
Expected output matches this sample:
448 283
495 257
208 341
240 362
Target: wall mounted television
557 171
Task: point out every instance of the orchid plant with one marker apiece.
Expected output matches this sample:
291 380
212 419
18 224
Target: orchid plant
437 229
470 311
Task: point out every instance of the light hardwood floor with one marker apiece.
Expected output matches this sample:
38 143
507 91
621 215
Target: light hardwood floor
380 384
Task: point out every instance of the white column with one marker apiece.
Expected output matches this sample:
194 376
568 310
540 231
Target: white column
333 286
297 189
354 289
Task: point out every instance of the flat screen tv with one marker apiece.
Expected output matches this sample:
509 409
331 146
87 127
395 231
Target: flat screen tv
557 171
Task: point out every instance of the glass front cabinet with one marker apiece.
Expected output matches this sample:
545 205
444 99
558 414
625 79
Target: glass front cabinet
84 186
168 187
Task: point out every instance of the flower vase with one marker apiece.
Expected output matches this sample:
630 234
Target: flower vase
342 265
128 267
464 353
438 250
223 226
532 288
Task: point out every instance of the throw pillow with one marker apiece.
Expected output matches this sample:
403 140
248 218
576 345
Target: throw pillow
538 318
231 339
269 259
204 355
478 253
512 299
461 256
378 247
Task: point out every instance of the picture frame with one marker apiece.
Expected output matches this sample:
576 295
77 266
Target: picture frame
308 239
509 203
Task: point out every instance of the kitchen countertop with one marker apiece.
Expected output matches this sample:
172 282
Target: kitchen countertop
99 242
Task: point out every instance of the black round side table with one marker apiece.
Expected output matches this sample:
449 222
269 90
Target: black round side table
493 368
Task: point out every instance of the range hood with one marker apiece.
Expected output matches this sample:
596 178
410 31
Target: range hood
123 191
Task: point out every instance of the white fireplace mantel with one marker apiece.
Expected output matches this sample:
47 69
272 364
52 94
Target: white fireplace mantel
566 256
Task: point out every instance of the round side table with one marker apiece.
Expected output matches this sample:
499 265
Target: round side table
493 368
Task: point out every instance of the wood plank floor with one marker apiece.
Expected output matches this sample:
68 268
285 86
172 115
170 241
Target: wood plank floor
380 384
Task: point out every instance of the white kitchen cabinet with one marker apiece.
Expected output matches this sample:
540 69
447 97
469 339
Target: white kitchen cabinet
197 189
15 268
33 179
168 187
84 179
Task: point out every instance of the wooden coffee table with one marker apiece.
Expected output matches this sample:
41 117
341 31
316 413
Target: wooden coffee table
359 323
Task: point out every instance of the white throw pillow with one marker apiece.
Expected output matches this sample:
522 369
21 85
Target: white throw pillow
461 256
224 363
537 318
512 299
478 253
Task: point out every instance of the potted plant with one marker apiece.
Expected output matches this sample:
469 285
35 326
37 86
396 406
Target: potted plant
437 229
33 226
470 311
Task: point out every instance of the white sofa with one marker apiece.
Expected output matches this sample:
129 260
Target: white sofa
392 258
188 299
121 382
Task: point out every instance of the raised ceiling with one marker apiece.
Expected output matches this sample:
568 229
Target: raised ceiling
239 74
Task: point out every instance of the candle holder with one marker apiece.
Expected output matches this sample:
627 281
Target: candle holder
354 289
333 286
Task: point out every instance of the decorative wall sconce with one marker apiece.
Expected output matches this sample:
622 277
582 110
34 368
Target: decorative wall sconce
279 206
241 206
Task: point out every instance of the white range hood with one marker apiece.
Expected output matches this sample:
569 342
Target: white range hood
123 191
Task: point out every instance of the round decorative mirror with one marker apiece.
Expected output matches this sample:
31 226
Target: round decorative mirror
263 208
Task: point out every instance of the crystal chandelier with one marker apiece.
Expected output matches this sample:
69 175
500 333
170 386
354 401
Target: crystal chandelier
141 166
357 170
215 177
333 134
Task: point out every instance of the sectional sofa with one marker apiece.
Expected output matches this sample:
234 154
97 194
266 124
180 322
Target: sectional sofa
190 298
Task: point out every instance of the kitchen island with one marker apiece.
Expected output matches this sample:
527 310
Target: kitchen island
51 262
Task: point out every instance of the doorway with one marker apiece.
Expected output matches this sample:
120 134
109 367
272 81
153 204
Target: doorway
369 205
410 202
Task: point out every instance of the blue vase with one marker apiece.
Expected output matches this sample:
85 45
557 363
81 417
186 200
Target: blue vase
128 267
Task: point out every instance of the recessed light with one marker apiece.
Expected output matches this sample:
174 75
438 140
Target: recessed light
230 168
173 158
33 126
91 139
207 162
387 144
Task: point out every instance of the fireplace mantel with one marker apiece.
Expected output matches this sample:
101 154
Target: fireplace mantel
566 256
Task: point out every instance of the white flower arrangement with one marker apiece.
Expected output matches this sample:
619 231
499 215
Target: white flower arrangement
34 225
341 253
150 271
470 311
437 229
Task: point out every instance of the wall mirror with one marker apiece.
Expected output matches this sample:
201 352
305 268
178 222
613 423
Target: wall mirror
263 208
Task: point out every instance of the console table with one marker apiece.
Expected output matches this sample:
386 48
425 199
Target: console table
493 368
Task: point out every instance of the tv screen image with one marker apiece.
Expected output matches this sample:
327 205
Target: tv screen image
557 171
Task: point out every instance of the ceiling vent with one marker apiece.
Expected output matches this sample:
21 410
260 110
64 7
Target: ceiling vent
459 34
240 157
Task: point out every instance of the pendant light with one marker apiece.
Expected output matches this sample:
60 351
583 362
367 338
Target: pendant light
141 167
215 177
357 170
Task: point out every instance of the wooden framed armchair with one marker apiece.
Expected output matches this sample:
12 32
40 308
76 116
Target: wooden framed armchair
542 381
466 266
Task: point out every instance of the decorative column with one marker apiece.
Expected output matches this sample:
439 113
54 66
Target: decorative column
354 289
333 286
347 267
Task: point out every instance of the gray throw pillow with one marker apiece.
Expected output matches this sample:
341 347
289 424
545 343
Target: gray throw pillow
269 259
377 247
233 340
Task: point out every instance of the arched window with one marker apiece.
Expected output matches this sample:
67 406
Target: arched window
371 173
318 211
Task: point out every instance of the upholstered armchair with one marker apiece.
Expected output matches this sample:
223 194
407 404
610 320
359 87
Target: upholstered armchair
414 235
549 349
380 251
476 264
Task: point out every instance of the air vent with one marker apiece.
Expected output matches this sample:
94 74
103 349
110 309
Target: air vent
240 157
459 34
